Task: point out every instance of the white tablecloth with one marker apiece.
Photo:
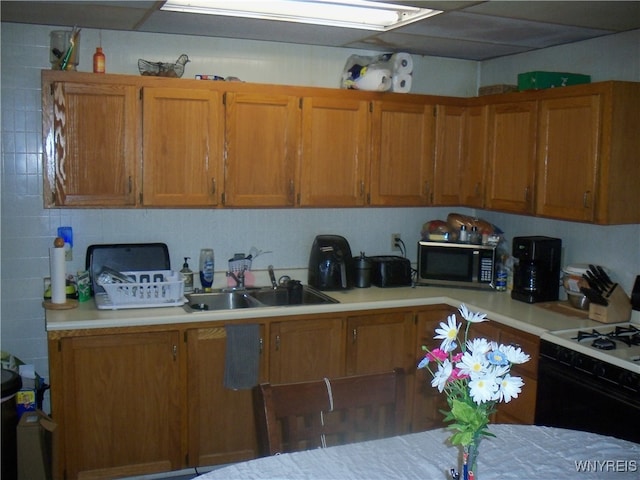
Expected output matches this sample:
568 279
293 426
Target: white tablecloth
518 452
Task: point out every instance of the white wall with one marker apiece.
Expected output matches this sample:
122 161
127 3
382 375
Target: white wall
27 230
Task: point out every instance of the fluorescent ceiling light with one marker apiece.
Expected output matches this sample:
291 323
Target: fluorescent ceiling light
361 14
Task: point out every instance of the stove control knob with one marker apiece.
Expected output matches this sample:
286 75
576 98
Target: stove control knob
630 380
599 369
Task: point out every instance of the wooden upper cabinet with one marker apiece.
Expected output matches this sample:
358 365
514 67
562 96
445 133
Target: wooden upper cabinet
182 155
402 142
449 151
511 144
335 152
90 133
474 158
568 143
261 141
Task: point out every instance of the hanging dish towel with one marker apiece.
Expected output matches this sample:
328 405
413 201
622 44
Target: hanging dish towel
242 356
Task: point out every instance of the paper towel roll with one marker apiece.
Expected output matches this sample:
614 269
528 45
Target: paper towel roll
401 83
402 63
376 80
57 270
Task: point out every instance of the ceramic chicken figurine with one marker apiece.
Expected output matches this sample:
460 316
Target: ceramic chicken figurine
160 69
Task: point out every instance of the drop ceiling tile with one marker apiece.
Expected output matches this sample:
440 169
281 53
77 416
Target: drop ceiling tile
482 28
615 16
439 47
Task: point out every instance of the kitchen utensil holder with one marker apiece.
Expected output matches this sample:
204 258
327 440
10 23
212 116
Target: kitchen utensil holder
159 288
618 309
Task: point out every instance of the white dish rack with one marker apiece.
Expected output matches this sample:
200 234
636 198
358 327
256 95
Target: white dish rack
147 289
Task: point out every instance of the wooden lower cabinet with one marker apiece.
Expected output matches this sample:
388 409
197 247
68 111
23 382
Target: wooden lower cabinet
306 349
140 400
221 426
428 402
116 398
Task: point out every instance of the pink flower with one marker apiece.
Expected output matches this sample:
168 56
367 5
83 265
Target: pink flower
457 375
437 355
457 357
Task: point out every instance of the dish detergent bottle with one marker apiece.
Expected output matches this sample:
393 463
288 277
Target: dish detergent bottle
187 273
206 268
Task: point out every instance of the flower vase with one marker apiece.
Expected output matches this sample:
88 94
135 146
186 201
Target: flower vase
470 461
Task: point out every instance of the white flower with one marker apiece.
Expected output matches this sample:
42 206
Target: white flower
483 388
510 387
478 345
448 332
441 376
472 364
470 316
514 354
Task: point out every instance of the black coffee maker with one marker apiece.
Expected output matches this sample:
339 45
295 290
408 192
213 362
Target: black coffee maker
331 265
536 276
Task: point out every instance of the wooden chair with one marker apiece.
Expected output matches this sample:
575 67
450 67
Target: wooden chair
306 415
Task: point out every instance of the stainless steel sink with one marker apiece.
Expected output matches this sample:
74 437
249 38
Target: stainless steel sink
203 302
252 298
279 297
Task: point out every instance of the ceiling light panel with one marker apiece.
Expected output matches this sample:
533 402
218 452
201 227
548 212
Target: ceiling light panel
358 14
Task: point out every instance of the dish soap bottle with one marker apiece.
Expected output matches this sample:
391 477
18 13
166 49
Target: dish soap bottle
187 273
206 268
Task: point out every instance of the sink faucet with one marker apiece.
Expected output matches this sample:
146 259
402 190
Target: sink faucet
272 277
239 278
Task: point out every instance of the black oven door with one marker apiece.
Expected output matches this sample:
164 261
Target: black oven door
578 400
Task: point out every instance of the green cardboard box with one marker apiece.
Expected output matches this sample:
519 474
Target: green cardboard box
542 80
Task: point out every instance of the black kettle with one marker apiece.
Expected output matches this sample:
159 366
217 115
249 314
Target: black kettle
331 263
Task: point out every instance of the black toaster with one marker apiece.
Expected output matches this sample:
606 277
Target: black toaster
390 271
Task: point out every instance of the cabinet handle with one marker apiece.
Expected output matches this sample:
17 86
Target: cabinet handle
277 342
477 190
291 188
213 186
426 188
261 348
362 188
175 352
526 194
354 335
130 184
586 199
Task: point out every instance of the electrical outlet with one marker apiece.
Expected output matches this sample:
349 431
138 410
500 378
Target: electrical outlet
395 241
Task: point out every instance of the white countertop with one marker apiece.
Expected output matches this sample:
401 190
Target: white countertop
531 318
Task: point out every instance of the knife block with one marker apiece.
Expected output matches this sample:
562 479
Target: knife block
618 310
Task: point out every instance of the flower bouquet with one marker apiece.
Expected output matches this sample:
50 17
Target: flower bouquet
474 374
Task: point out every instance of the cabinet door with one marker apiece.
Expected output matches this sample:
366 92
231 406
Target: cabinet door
261 140
380 342
569 135
302 350
474 160
512 157
402 154
182 154
449 153
221 422
121 411
90 133
335 152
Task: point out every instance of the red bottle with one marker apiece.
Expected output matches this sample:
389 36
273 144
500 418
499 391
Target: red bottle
98 61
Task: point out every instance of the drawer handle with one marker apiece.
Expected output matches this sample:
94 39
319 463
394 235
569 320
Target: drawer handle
277 342
213 186
354 335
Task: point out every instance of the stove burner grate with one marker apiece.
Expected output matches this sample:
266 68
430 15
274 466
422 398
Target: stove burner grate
629 335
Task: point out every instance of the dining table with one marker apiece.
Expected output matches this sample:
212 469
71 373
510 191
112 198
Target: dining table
518 452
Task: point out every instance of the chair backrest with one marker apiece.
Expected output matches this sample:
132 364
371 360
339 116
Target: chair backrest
306 415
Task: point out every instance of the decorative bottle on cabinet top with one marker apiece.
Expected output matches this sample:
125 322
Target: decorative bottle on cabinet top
99 61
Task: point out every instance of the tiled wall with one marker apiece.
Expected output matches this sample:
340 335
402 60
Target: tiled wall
27 229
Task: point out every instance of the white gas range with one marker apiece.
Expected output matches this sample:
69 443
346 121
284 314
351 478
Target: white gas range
617 344
589 379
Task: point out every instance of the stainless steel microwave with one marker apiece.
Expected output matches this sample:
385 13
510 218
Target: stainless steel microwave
456 264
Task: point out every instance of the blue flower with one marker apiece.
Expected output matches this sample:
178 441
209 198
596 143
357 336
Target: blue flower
496 357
